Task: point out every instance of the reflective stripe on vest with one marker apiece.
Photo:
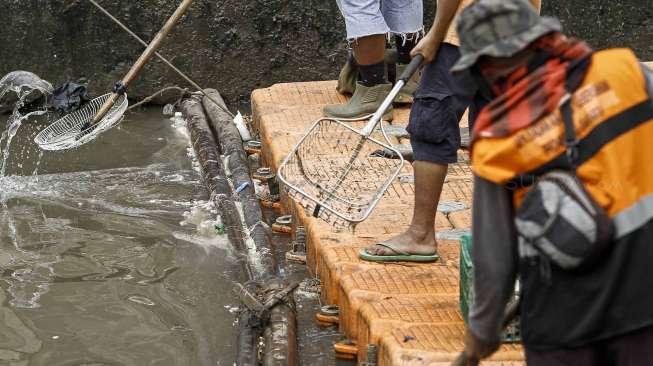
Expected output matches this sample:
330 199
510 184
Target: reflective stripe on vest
612 114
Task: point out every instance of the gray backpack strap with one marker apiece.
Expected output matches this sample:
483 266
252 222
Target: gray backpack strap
571 140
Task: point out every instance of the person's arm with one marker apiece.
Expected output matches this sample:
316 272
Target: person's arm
494 254
429 45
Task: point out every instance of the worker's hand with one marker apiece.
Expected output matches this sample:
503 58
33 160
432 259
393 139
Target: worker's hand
427 47
477 349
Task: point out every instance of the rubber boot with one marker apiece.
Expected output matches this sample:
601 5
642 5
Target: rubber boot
349 72
390 56
348 77
365 101
406 93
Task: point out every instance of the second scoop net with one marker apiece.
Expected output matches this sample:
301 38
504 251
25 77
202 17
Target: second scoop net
75 129
337 176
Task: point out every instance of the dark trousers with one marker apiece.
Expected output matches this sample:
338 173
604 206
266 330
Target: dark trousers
632 349
440 102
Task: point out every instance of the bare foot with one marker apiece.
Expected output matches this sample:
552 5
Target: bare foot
412 241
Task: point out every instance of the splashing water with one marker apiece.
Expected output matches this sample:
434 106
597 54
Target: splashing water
99 253
38 162
23 92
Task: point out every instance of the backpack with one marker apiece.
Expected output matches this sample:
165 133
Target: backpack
559 221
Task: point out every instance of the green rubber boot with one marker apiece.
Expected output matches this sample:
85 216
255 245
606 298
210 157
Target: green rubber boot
348 77
365 101
349 72
406 93
390 56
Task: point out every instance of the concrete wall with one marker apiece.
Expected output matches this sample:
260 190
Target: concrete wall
237 45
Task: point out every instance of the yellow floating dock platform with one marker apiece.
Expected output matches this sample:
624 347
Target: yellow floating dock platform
410 311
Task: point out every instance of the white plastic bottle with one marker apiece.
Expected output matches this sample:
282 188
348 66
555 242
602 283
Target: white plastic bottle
178 119
242 129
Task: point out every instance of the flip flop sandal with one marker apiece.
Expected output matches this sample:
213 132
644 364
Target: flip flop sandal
400 256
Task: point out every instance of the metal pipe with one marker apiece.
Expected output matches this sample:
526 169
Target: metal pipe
165 61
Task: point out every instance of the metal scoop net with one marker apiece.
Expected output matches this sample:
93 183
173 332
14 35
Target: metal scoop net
74 129
336 175
339 173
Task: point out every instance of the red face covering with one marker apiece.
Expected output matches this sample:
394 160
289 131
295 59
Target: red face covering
533 91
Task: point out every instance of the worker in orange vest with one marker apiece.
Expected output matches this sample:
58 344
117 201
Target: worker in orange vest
563 195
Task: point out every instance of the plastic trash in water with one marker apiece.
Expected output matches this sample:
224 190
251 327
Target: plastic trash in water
261 189
168 110
211 228
178 120
242 187
201 216
218 226
242 129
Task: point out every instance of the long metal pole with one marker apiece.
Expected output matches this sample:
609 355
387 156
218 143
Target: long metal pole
165 61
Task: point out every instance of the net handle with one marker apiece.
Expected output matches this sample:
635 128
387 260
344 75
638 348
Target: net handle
415 63
163 59
145 57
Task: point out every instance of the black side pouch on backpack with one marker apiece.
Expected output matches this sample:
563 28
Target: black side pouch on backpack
559 221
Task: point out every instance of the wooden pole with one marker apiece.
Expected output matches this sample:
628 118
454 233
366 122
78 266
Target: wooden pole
145 57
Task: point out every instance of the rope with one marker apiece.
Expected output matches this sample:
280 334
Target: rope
182 92
189 80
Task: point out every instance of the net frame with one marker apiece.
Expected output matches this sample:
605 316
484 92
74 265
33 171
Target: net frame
74 129
334 200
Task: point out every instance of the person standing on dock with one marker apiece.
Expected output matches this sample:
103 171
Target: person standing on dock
368 23
563 191
440 102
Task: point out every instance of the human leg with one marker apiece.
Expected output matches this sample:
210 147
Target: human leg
404 44
419 238
373 87
435 139
366 30
405 18
348 76
364 20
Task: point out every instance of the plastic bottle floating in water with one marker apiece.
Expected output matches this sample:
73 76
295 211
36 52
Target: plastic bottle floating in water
218 226
211 228
178 120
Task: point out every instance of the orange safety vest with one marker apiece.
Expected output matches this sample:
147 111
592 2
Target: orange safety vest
612 113
452 34
613 117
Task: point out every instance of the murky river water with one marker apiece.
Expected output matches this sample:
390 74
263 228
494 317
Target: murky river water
104 260
96 267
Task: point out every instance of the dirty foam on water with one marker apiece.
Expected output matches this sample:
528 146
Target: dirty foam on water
108 256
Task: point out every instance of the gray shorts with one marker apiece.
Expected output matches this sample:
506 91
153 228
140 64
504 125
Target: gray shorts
368 17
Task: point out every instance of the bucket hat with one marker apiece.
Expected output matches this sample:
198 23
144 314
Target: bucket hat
499 28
